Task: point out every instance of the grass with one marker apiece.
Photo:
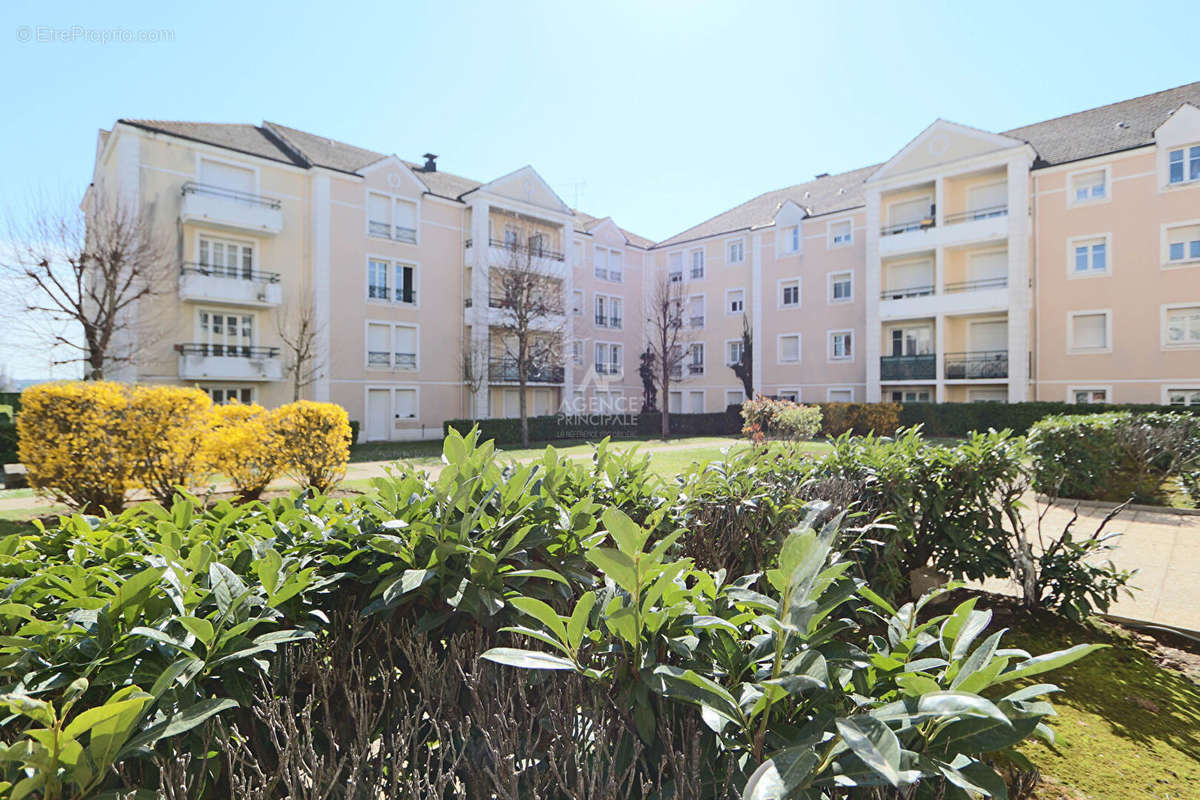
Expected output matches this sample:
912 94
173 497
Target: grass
430 452
1128 728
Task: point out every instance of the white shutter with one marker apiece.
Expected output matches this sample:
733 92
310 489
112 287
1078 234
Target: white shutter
377 338
789 348
908 211
910 276
226 176
378 208
406 403
987 196
987 266
1090 330
696 306
406 340
406 214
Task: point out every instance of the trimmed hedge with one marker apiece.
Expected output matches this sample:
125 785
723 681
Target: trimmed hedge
597 426
8 442
959 419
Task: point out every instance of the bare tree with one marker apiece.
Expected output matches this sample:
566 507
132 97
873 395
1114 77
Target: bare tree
529 293
744 368
299 330
668 340
472 360
86 270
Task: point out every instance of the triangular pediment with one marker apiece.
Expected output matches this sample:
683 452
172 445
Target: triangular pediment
607 232
526 186
943 142
789 213
1182 127
393 175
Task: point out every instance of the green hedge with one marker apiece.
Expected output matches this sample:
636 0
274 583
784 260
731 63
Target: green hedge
8 442
597 426
959 419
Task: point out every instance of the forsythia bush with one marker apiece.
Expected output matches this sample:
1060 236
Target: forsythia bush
316 442
165 431
87 444
71 439
766 418
881 419
245 446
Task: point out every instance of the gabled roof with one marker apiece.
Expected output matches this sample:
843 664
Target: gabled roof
1107 129
821 196
586 222
249 139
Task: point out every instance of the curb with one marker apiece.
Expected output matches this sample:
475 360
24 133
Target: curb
1108 505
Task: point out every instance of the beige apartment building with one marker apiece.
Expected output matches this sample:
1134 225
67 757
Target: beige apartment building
1057 261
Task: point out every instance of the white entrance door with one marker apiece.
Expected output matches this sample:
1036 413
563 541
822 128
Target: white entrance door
379 414
990 335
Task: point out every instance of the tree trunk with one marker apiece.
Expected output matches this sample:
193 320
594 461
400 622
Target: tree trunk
666 404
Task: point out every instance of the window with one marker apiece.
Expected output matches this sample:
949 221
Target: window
1088 395
600 265
841 287
789 293
789 348
735 301
734 397
382 273
841 345
1181 326
577 302
227 176
608 311
226 259
696 402
734 350
1183 165
912 396
791 239
391 218
615 267
225 334
614 313
1183 244
601 311
675 402
577 253
841 233
675 267
735 252
608 265
391 346
1183 397
791 395
1089 256
840 395
697 259
577 352
1088 186
696 358
222 395
987 395
916 340
1089 330
908 215
608 358
696 311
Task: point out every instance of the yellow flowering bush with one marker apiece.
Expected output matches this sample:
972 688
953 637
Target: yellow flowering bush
165 432
71 437
316 442
245 446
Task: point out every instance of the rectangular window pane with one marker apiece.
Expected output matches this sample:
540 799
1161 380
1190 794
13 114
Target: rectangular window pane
1099 259
1081 259
1176 251
1194 163
1175 167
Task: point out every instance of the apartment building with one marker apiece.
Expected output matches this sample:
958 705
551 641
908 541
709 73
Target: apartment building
1057 261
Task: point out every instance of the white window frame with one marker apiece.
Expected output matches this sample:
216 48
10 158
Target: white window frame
830 244
728 342
392 286
1165 244
1185 387
739 392
691 264
577 352
391 389
682 266
703 311
1186 148
1072 202
729 243
239 388
728 302
781 283
225 239
1165 313
831 279
393 325
392 200
202 336
229 162
1075 241
829 350
829 390
577 307
1108 331
690 360
793 239
780 392
1090 387
779 359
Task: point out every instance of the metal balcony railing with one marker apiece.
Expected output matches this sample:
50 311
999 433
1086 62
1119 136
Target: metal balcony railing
978 365
537 250
697 272
231 194
695 369
675 277
405 360
500 301
912 225
907 368
607 369
614 322
399 233
226 350
400 295
908 291
976 285
505 369
977 213
601 321
237 273
696 321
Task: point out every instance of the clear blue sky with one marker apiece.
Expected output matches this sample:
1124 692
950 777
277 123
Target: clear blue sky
659 114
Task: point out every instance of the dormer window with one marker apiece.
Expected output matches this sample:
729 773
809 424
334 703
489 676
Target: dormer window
1183 164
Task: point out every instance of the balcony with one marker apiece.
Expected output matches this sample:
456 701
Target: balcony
200 361
230 208
977 285
907 368
397 233
963 297
204 282
910 291
695 369
382 359
503 253
979 365
504 370
544 318
397 295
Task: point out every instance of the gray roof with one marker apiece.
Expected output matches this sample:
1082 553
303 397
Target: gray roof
820 196
249 139
586 222
1107 129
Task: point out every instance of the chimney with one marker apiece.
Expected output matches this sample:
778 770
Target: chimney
430 162
823 175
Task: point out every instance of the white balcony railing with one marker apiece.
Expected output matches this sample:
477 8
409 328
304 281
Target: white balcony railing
230 208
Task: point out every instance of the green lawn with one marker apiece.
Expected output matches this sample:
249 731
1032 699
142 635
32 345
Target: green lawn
429 453
1128 729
